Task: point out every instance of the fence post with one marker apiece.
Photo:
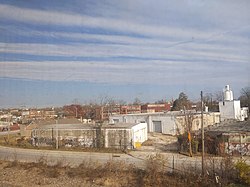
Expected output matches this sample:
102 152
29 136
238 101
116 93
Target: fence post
173 165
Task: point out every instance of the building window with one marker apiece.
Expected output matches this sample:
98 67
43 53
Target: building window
116 120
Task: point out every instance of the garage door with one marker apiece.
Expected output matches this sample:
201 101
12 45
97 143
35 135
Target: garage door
157 126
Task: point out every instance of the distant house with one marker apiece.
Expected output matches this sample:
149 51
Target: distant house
150 108
103 112
130 109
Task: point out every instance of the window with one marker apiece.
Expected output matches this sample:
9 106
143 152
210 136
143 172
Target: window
116 120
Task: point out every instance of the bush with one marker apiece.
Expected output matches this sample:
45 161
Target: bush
243 170
154 173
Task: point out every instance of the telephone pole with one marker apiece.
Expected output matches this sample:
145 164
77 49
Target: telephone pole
202 136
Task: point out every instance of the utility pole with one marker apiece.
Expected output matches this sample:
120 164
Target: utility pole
8 121
76 111
57 141
202 136
8 132
188 128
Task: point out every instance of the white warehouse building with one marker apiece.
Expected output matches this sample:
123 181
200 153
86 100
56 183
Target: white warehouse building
171 123
156 122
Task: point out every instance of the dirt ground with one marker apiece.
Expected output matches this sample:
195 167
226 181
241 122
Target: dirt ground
158 142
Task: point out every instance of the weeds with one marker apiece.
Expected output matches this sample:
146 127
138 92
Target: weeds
243 170
155 170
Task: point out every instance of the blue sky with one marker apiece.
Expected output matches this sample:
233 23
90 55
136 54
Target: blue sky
52 52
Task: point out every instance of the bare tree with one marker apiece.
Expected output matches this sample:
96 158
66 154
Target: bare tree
188 125
137 101
218 96
108 106
245 97
212 101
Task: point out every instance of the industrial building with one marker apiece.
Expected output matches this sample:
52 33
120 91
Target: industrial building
171 123
119 136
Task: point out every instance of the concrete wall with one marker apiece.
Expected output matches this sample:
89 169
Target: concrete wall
65 137
209 119
140 133
238 144
230 110
244 113
120 138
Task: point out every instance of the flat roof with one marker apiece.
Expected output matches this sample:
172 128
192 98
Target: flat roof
229 126
88 126
120 125
168 113
67 126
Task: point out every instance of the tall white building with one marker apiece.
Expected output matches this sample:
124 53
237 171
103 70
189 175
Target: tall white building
230 108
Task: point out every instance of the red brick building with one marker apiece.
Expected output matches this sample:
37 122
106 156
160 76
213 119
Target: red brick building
151 108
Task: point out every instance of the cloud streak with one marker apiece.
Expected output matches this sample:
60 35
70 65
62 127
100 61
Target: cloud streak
164 73
59 18
124 42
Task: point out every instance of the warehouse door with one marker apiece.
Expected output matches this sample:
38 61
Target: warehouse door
157 126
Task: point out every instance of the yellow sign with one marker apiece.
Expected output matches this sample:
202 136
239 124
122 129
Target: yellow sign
137 144
189 136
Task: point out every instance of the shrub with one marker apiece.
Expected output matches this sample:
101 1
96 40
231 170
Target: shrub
154 172
243 170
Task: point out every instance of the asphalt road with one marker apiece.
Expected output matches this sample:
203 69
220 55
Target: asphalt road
179 162
4 133
67 157
71 158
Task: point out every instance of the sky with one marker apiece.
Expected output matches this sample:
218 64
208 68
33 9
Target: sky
55 52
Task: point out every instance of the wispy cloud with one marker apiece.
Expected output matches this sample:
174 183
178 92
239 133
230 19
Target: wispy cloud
138 72
59 18
193 51
140 42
